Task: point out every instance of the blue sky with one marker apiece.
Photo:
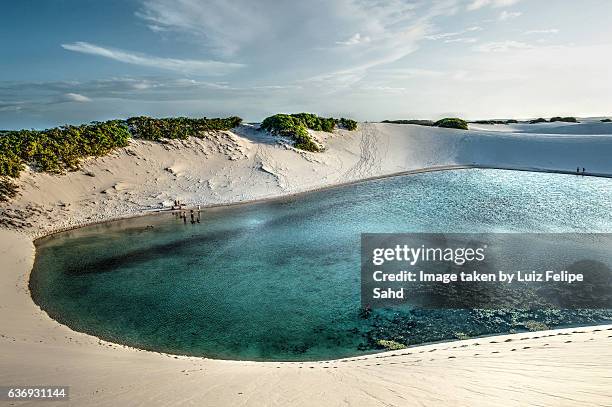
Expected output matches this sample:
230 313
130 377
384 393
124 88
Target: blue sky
72 61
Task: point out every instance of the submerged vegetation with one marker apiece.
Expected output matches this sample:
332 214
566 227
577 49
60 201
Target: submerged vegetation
390 345
390 330
295 126
61 149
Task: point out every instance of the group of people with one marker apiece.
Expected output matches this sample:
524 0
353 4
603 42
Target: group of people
578 170
178 206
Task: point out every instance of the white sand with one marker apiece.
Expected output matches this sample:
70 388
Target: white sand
564 367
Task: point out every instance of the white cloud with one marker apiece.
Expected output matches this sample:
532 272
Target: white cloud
265 32
508 15
546 31
355 39
502 46
466 40
75 97
405 73
173 64
478 4
442 36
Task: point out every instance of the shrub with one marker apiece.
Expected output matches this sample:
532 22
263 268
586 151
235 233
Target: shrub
452 123
62 148
536 121
10 163
496 121
564 119
303 141
59 149
296 127
279 123
417 122
488 122
314 122
7 189
149 128
348 124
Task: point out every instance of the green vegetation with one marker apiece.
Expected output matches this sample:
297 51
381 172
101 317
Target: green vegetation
449 122
149 128
348 124
61 149
452 123
7 189
303 141
296 127
411 121
390 345
536 121
564 119
511 121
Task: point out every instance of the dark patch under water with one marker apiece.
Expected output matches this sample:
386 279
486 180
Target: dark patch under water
279 280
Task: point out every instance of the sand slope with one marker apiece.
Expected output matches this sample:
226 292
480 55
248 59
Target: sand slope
556 368
248 164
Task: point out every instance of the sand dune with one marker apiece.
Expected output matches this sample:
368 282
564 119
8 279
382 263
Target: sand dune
248 164
585 126
564 367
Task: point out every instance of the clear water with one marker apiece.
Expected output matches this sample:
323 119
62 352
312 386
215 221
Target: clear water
279 280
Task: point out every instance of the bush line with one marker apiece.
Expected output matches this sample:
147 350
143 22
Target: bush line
295 126
61 149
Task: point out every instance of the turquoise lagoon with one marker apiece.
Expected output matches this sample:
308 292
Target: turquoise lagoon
280 279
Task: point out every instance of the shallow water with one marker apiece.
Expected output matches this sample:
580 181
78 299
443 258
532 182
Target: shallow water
279 280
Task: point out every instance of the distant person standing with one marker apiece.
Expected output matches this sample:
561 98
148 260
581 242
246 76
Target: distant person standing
583 170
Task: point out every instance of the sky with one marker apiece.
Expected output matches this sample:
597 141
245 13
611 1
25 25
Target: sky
75 61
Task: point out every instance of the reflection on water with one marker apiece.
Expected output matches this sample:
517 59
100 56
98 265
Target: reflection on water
279 280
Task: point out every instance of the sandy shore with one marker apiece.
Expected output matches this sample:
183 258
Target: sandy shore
553 368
